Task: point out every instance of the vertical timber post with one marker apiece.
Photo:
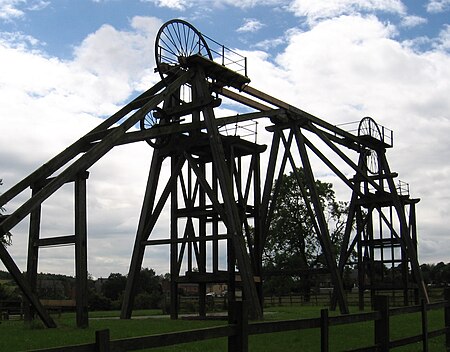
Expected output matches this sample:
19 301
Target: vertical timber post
239 317
424 326
324 235
447 317
139 249
381 305
102 340
324 331
81 272
33 253
233 220
174 268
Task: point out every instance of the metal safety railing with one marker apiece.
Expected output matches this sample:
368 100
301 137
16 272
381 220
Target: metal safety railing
226 56
386 134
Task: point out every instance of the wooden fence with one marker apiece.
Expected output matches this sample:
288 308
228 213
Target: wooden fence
239 329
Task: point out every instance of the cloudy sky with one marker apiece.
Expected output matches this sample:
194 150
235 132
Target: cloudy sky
66 65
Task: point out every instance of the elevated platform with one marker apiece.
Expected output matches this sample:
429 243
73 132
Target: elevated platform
198 144
222 75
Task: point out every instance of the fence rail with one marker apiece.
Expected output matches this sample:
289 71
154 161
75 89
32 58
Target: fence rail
238 330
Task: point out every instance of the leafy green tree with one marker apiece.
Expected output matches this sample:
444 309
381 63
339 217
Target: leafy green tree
149 290
149 282
114 286
292 241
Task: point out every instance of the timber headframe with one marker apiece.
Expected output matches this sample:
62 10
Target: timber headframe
221 200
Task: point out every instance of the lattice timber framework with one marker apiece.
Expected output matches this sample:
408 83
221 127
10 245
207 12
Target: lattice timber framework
220 202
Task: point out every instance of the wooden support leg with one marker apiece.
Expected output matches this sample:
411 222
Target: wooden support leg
25 287
33 255
324 236
81 271
139 249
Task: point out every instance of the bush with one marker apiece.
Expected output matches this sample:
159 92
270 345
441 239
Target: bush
99 302
148 300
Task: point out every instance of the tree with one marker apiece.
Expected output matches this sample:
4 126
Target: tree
149 293
5 239
114 286
292 241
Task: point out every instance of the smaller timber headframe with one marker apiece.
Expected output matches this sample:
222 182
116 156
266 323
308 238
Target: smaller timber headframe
219 196
385 240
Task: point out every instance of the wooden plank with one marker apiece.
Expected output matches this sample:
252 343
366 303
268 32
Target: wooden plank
282 325
185 240
89 347
354 318
55 241
174 338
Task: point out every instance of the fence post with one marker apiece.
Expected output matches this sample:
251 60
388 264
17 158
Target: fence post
102 340
424 326
381 304
239 342
447 317
324 330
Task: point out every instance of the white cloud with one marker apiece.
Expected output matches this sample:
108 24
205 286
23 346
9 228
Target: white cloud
249 3
9 9
443 41
171 4
13 9
413 21
182 5
38 5
20 40
250 25
437 6
317 10
268 44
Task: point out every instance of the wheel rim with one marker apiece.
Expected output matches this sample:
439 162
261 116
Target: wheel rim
369 128
153 119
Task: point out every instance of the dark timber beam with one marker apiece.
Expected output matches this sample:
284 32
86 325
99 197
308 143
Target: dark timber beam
25 287
324 236
81 270
231 210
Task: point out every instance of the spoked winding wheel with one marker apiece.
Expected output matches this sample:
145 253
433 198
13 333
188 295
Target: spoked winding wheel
177 39
369 129
153 119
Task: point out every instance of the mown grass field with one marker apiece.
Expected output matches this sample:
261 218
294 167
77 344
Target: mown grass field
17 336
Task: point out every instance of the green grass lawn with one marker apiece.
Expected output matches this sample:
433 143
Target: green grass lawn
17 336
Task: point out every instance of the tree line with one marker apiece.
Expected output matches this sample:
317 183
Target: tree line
103 293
